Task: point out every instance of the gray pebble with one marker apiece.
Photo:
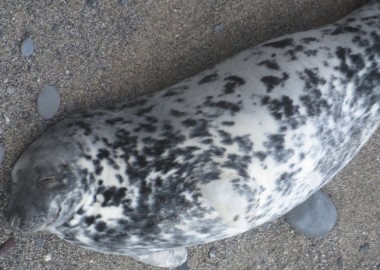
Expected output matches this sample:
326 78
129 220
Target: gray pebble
219 27
55 28
2 152
92 3
123 2
266 226
48 102
11 90
27 47
339 263
315 217
364 248
378 266
212 253
39 242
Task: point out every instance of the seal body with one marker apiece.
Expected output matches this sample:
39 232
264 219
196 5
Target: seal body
213 156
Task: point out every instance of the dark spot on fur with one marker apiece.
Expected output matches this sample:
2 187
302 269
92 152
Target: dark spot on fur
113 121
280 44
189 122
100 226
271 64
177 113
228 123
232 83
143 111
272 81
208 78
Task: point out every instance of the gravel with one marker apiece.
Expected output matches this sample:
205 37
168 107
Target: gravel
2 152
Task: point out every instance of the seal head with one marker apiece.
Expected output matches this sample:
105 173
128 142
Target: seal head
40 186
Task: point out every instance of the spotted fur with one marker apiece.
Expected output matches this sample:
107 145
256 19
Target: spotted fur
213 156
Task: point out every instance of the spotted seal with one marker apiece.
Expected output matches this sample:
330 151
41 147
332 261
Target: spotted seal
211 157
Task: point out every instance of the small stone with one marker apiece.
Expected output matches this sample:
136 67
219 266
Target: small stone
212 253
364 248
219 27
27 47
123 2
47 257
339 263
39 242
378 266
55 28
2 152
92 3
266 226
48 102
7 120
11 90
315 217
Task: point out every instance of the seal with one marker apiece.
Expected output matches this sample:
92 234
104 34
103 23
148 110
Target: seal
220 153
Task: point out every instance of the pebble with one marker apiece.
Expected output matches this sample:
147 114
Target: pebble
123 2
364 248
7 120
39 242
27 47
11 90
48 257
339 263
266 226
315 217
7 245
55 28
92 3
219 27
2 152
48 102
212 253
378 267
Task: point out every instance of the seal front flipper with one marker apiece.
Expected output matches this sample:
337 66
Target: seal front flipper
233 198
165 258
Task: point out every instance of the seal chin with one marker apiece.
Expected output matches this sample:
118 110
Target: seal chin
23 225
18 226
